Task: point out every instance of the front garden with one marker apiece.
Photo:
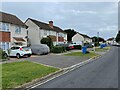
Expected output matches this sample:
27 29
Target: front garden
18 73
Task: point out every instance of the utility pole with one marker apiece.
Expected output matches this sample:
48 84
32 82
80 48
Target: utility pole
98 37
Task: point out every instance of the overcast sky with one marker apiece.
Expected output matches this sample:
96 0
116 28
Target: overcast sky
84 17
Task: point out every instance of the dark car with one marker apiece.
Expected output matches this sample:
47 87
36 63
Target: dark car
89 45
66 46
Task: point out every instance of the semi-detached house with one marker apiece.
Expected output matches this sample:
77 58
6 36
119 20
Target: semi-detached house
81 38
12 31
38 30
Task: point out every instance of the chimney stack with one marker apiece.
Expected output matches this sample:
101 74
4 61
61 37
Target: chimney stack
51 24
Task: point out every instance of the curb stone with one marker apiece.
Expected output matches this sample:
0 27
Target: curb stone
26 86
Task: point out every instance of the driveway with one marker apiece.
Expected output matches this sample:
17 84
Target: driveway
59 61
55 60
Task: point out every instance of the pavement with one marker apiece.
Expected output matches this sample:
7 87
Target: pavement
102 73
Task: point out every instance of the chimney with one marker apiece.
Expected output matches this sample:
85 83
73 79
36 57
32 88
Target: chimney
51 24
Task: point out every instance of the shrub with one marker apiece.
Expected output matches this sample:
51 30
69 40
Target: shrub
2 54
48 41
97 44
58 49
77 47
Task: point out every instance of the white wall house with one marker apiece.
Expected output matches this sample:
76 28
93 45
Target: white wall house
12 31
38 30
81 39
111 41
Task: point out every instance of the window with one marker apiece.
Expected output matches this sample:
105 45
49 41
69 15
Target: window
7 45
60 34
5 26
45 32
18 30
12 48
4 45
0 26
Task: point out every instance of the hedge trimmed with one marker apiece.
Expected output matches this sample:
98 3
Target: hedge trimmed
2 54
58 49
77 47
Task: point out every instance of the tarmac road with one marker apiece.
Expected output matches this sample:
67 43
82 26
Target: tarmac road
102 73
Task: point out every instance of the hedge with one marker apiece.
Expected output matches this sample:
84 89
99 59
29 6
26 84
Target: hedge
2 53
77 47
58 49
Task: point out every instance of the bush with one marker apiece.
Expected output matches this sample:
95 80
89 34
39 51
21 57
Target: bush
78 47
97 44
2 54
48 41
58 49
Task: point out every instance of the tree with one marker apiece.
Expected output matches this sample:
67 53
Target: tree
118 37
48 41
70 34
95 39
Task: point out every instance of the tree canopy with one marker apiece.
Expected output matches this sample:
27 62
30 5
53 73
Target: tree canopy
70 34
118 37
48 41
96 39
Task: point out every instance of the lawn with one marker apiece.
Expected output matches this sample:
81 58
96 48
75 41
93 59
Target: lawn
102 49
18 73
89 55
0 77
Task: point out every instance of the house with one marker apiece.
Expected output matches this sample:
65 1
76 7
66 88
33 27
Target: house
12 31
111 41
81 38
38 30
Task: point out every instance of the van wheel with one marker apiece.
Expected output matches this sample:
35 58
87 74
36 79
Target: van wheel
18 55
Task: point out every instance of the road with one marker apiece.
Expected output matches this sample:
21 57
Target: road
102 73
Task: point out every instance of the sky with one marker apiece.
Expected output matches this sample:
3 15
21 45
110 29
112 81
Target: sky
84 17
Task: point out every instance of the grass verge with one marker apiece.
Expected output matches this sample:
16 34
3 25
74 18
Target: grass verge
18 73
102 49
89 55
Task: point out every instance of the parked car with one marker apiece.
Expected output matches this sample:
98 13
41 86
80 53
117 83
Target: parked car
19 51
40 49
90 45
67 46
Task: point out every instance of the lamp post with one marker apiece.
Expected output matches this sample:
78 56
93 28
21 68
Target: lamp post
98 37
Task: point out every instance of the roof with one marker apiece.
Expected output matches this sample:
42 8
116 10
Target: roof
86 36
45 26
9 18
110 39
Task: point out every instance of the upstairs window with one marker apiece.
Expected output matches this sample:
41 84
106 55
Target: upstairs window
18 30
45 32
0 26
4 26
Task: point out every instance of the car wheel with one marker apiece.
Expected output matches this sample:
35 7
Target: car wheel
18 55
28 55
5 55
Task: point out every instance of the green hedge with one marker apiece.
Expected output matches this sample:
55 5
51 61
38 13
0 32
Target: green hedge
58 49
2 53
77 47
97 44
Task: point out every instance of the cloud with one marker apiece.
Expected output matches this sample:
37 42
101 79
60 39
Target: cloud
77 12
109 28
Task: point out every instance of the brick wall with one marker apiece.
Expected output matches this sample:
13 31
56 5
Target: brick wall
5 36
